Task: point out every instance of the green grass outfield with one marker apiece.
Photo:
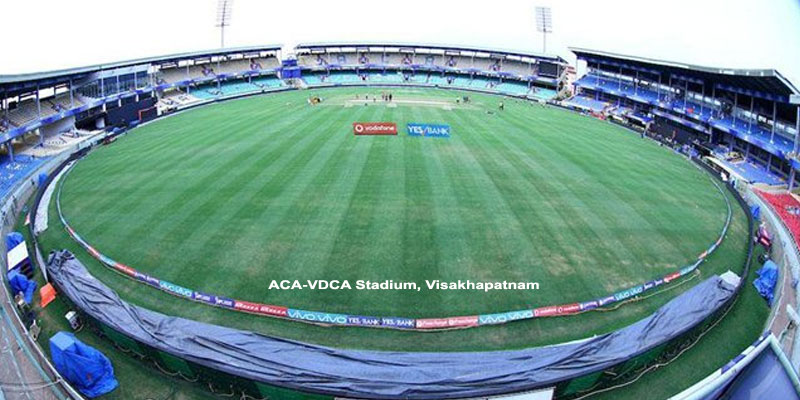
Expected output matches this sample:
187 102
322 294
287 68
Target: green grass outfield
227 197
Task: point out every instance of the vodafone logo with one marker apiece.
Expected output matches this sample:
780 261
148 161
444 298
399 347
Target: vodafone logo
375 128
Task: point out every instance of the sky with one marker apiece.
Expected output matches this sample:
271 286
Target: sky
43 35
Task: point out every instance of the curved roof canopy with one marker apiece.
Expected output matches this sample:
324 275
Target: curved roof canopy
756 82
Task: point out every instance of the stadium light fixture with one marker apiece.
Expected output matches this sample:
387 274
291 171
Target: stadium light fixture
224 9
544 24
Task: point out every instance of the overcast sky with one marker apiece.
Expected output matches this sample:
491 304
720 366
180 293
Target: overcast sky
48 34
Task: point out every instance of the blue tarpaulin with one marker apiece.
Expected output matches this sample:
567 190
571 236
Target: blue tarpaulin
13 239
83 366
383 374
42 178
767 278
20 283
756 211
764 378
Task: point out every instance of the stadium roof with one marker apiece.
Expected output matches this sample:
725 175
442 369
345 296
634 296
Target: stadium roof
519 53
57 76
767 81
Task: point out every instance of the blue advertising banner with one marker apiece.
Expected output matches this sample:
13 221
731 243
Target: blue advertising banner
175 289
396 322
314 316
501 318
225 302
430 130
362 320
205 298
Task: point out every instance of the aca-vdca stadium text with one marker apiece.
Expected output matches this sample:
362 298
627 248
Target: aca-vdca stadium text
361 284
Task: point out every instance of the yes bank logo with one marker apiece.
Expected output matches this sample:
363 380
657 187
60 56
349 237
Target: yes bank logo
415 130
429 130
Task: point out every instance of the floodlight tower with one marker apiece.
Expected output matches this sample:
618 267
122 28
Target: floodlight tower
224 8
544 24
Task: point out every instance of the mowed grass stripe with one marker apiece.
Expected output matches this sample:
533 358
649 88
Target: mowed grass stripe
568 237
205 242
173 142
656 195
497 225
566 233
304 233
185 212
139 196
569 207
504 247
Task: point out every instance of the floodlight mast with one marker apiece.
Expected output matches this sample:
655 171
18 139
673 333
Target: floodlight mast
224 8
544 24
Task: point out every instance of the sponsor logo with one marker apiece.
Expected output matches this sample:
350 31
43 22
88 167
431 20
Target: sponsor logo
325 318
628 293
107 261
672 276
361 320
589 305
273 310
92 251
430 130
568 309
225 302
374 128
125 269
259 308
148 279
432 323
173 288
205 298
471 320
548 311
395 322
606 300
501 318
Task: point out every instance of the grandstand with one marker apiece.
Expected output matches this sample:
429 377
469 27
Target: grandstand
511 73
746 111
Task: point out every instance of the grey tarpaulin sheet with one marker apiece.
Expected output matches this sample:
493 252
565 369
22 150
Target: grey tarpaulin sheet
380 374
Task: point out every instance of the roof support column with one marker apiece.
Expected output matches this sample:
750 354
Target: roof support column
703 100
71 96
219 84
658 89
774 120
10 148
750 119
38 104
713 97
685 94
769 162
796 130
